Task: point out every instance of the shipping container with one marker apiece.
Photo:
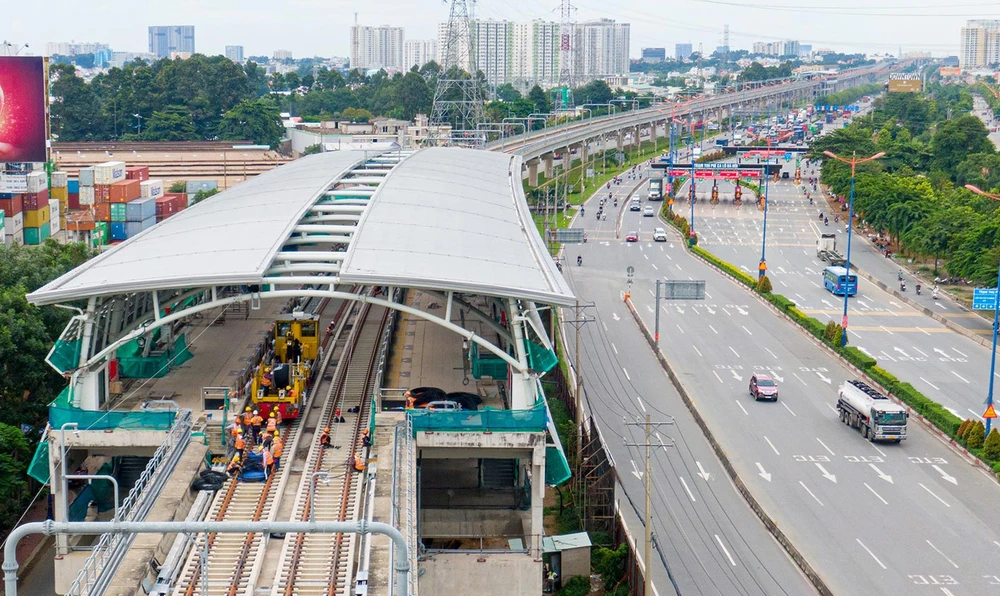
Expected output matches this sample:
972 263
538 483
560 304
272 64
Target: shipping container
169 204
14 237
38 181
149 222
59 193
140 173
73 186
102 212
55 209
193 186
125 191
60 179
36 236
87 176
36 218
141 209
151 188
101 234
73 201
36 200
3 218
14 223
12 206
80 221
102 193
109 172
54 227
119 211
86 196
118 231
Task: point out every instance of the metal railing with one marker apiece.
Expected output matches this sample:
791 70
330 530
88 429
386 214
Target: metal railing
481 549
383 356
109 551
402 514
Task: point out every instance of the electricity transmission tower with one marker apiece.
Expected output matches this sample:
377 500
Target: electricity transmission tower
458 100
564 99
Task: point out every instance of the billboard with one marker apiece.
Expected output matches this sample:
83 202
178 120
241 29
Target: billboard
908 85
22 108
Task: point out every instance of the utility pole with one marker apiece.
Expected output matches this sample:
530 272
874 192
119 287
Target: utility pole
579 319
647 576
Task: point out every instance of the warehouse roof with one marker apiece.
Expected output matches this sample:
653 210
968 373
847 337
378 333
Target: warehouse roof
441 218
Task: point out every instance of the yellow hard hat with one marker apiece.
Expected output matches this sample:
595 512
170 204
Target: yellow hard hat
248 408
288 386
272 413
239 431
236 457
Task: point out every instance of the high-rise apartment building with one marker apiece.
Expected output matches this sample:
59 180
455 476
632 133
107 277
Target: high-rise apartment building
528 53
769 48
280 55
166 40
234 53
377 47
980 43
683 51
417 52
72 48
654 54
790 48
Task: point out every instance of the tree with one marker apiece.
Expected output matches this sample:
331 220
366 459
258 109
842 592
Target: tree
356 115
991 447
253 119
173 123
957 139
974 437
540 100
413 95
313 149
507 93
76 113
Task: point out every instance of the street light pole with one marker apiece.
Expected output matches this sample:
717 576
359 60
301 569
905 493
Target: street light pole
854 161
996 320
762 268
693 190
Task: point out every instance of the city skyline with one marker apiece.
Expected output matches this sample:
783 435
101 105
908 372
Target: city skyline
261 28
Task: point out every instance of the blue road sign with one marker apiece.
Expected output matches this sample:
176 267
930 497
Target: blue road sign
984 299
788 156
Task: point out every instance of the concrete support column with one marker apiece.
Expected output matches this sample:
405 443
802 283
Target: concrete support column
585 152
567 158
636 138
547 165
533 172
537 500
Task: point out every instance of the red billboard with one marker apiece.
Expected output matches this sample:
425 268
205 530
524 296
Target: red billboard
22 108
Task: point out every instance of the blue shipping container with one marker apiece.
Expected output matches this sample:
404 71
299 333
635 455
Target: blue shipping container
74 187
118 231
148 222
141 209
134 228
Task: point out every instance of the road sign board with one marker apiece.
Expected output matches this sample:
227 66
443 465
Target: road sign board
984 299
629 270
570 235
990 412
683 290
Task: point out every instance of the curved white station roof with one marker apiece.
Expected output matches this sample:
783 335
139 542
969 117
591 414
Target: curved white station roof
439 219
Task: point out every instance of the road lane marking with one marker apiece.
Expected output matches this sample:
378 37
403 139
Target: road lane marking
641 405
886 330
825 447
713 330
651 293
690 494
868 550
921 331
626 374
933 386
922 353
960 353
605 325
959 376
829 405
800 379
745 329
945 503
740 405
772 445
974 413
876 494
654 266
953 563
717 376
770 352
734 351
679 329
614 348
789 409
697 350
725 550
811 493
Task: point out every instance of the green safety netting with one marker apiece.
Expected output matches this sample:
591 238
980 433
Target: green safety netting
533 420
78 508
62 411
65 355
181 352
540 358
556 466
487 366
103 491
133 366
39 466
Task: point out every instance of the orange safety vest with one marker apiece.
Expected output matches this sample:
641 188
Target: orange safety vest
265 381
268 458
256 421
240 443
247 418
272 425
278 447
236 429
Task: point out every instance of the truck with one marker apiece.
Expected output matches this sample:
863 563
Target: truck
655 186
862 407
826 250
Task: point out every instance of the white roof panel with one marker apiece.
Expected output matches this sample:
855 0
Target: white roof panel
455 219
230 238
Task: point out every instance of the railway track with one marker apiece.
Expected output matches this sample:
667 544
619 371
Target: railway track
322 564
231 561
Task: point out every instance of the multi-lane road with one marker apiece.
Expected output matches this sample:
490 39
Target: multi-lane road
869 518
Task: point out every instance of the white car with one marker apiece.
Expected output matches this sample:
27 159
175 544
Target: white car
648 212
659 235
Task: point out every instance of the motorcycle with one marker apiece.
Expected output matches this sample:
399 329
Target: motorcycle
579 261
584 238
902 286
826 221
934 293
917 288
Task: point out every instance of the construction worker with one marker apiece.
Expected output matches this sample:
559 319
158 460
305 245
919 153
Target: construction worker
410 400
255 423
265 381
290 392
245 419
324 437
276 412
234 466
277 448
239 444
359 461
268 463
272 423
366 439
266 438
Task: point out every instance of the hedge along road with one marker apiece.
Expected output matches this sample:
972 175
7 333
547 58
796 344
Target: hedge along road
870 518
703 529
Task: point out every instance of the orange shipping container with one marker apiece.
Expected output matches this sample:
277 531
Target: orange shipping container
79 221
125 191
140 173
102 212
102 193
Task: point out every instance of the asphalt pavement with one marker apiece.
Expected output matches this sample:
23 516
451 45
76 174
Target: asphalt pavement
871 519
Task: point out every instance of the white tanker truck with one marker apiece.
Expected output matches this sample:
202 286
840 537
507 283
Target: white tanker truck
864 408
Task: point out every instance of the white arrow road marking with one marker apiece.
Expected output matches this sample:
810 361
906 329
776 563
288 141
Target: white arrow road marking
823 378
943 353
736 375
763 474
945 476
690 494
827 475
811 493
881 474
635 470
953 563
941 306
827 303
772 445
776 377
614 316
945 503
711 310
876 494
650 308
702 472
740 310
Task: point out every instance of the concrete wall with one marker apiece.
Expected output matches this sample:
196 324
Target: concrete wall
575 563
503 574
470 522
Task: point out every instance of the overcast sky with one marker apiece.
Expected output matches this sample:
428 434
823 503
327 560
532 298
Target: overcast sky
320 27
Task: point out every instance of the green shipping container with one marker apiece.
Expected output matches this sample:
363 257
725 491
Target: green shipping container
101 233
118 211
3 220
36 236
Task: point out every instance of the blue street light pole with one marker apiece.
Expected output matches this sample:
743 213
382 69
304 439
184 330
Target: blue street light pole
854 161
691 152
670 163
762 268
996 322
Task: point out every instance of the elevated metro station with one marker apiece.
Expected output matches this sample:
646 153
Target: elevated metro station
338 275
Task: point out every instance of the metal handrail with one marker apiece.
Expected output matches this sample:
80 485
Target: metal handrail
111 548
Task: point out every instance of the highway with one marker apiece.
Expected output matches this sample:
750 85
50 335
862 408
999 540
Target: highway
870 518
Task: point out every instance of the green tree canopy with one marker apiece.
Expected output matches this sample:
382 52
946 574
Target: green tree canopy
253 119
